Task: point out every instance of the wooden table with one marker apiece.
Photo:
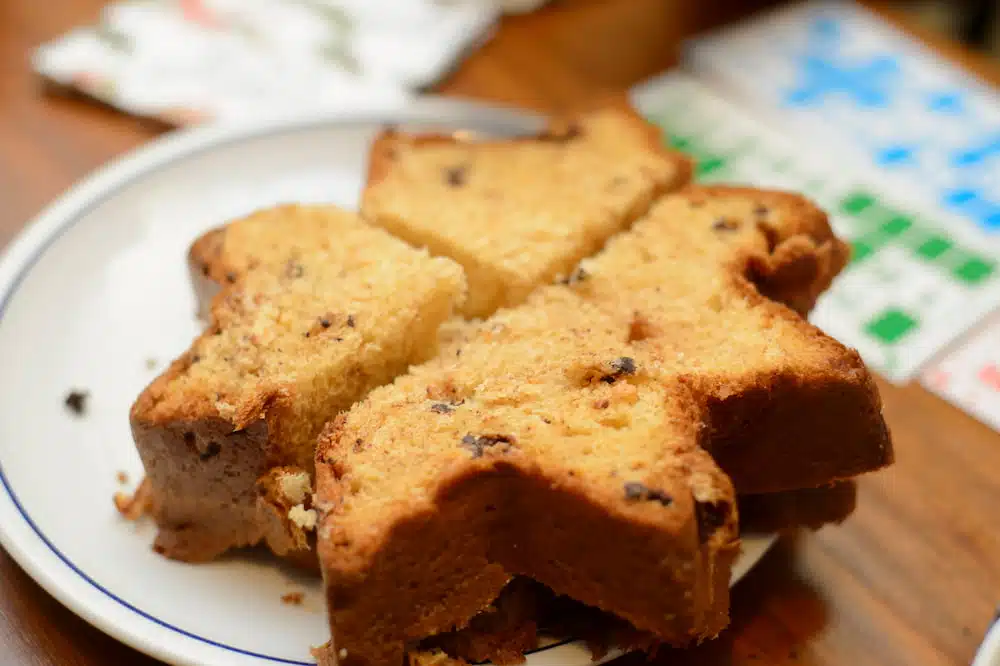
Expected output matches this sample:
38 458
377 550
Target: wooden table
912 578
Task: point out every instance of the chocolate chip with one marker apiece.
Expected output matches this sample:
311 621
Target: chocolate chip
359 445
456 176
206 269
478 445
760 210
602 404
76 401
230 277
621 366
725 224
578 275
624 365
350 321
634 491
443 408
211 451
195 358
294 269
711 516
638 492
325 322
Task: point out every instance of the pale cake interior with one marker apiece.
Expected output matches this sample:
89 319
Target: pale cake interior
519 214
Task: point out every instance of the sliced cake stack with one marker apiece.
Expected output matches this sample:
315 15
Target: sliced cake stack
631 358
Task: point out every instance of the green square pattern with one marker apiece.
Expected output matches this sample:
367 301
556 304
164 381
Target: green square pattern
860 250
934 247
897 225
709 164
857 202
974 270
891 325
679 142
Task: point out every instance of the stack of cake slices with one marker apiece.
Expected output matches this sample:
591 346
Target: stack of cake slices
535 385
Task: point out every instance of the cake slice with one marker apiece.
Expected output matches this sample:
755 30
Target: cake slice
527 613
810 508
588 411
320 314
710 279
510 458
520 213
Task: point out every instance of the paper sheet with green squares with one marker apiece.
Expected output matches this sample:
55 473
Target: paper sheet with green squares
914 282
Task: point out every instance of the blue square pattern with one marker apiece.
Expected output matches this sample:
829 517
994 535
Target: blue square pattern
876 82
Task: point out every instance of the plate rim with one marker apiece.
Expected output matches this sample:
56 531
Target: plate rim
22 538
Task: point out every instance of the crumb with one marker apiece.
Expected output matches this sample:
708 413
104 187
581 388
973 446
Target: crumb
76 402
135 506
122 477
303 518
563 134
151 363
725 224
292 598
456 176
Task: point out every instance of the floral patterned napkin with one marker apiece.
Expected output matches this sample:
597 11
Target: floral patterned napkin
187 61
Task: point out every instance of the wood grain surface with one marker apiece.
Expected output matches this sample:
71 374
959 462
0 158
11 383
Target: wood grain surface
911 579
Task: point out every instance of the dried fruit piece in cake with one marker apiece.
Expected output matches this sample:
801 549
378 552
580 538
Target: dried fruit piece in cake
284 351
520 213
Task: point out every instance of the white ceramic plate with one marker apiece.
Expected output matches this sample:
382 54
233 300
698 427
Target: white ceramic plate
989 652
94 295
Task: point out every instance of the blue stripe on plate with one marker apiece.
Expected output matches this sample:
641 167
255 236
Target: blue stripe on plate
18 279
